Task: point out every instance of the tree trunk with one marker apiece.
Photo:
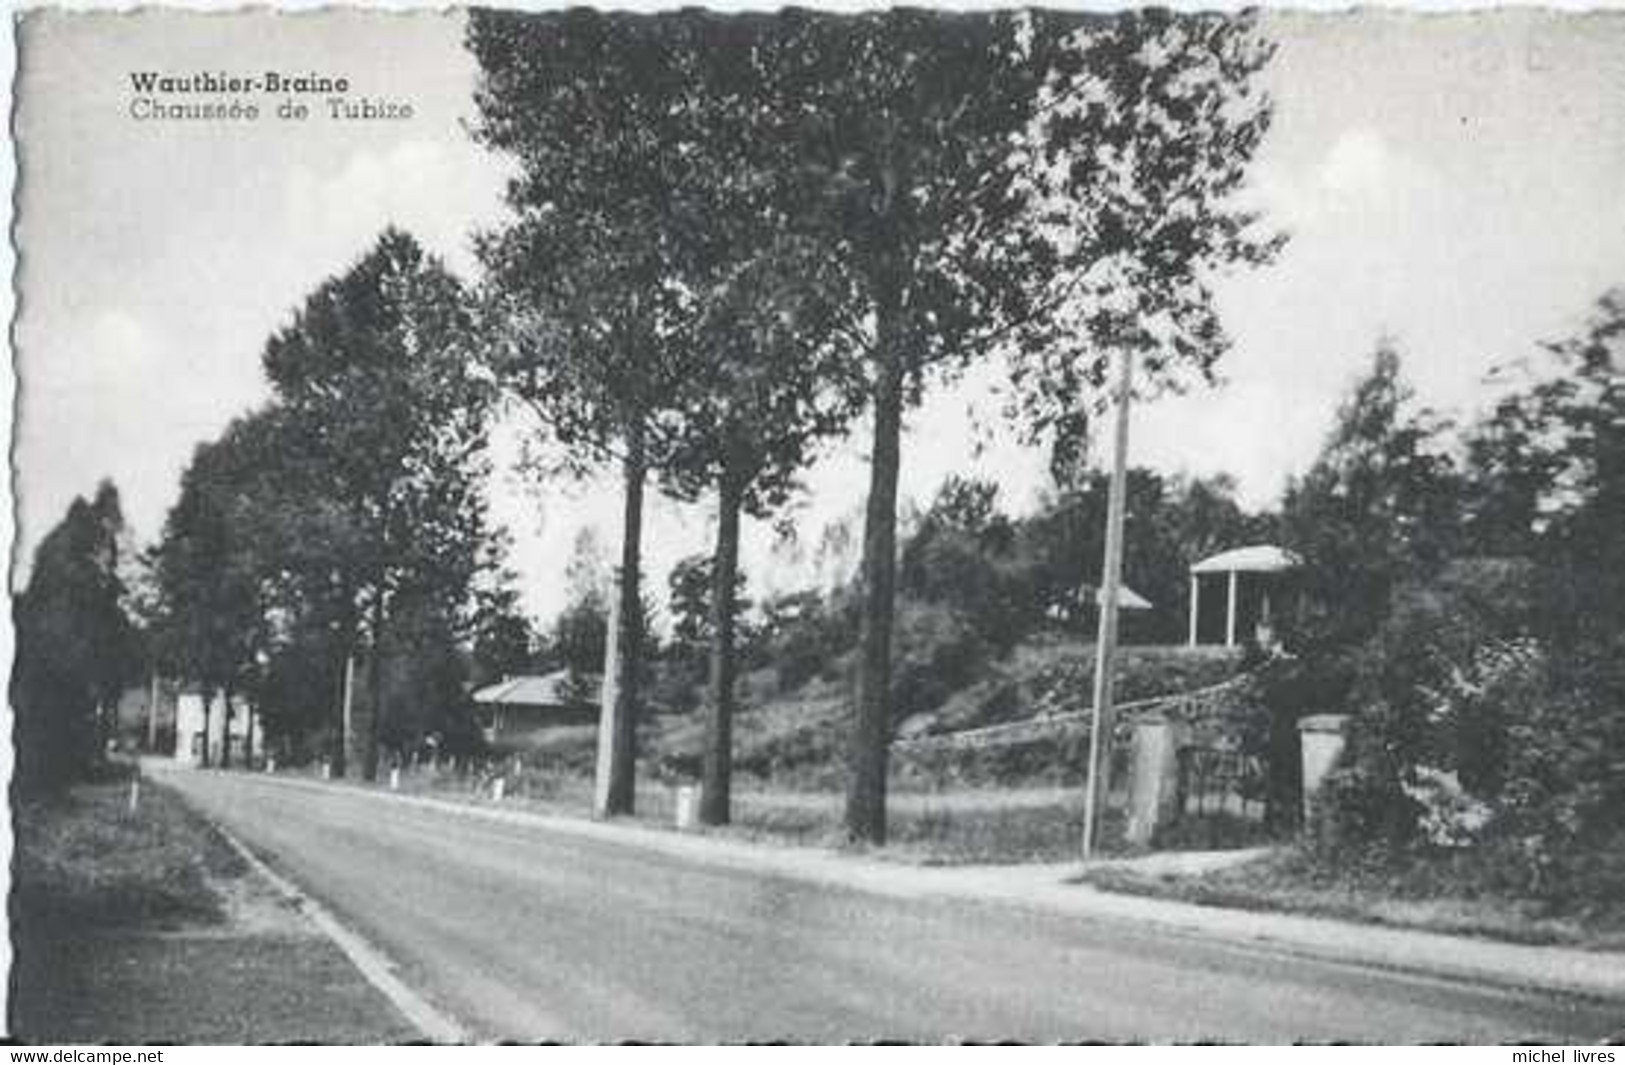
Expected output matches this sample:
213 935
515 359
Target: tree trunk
618 789
718 769
248 736
208 707
152 714
101 730
375 690
225 729
1283 803
871 732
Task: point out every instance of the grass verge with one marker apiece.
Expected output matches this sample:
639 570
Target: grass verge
958 827
85 857
1415 896
146 926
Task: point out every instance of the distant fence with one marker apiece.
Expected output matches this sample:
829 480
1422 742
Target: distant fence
1054 746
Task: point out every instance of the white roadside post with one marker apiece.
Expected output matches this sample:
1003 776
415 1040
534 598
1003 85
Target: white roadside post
1100 722
687 801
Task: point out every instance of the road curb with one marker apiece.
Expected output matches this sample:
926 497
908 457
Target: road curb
1597 975
375 966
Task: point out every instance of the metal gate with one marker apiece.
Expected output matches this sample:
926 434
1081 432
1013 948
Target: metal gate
1215 780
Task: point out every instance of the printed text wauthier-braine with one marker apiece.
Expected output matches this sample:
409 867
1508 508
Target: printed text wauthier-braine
222 96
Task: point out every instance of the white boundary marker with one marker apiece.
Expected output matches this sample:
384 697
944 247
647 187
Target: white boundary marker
372 962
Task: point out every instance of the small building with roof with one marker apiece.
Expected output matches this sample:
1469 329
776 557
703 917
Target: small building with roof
202 733
520 705
1237 595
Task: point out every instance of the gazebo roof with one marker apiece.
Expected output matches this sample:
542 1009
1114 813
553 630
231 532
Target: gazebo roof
1257 558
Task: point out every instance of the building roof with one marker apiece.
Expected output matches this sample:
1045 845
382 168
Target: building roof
549 690
1257 558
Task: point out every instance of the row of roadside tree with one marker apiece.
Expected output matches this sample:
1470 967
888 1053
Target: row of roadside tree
730 241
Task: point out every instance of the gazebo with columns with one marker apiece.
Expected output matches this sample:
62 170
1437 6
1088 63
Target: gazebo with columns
1253 577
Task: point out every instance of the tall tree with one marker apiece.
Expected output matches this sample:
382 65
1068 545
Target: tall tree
1544 475
377 375
301 538
904 120
899 134
772 387
1378 504
211 620
73 644
771 369
1584 406
110 631
504 638
588 287
1049 186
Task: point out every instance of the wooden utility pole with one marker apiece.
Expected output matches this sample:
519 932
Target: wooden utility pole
346 722
1111 580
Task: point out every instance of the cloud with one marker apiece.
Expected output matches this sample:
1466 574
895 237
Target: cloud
1360 175
433 189
112 349
101 401
1359 165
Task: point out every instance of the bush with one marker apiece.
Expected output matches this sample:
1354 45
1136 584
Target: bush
807 635
1359 813
1486 731
1433 691
938 651
1558 812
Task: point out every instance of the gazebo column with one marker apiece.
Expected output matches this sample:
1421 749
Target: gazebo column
1230 610
1196 591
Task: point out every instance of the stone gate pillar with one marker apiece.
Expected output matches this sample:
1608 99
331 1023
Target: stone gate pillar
1321 737
1153 776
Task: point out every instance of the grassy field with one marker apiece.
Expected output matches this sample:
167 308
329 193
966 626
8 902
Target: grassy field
145 926
1017 803
796 739
951 827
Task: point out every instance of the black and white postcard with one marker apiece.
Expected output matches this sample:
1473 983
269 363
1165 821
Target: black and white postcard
819 526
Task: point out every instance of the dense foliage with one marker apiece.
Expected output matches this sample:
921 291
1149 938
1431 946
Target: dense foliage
975 583
1480 652
75 646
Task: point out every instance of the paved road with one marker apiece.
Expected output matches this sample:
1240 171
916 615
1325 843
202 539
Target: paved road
525 933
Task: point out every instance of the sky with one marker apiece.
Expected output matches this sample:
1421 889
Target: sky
1455 182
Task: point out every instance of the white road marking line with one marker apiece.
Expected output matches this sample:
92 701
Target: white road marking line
372 962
